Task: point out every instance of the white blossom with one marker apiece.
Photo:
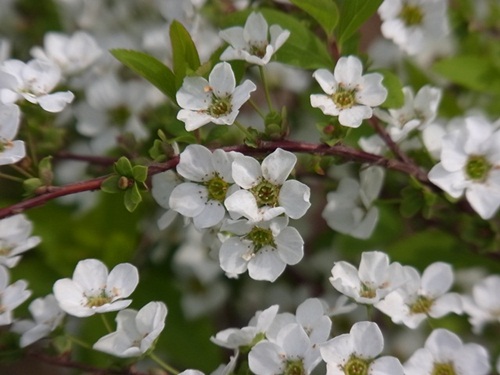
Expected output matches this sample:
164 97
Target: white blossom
136 331
470 163
217 100
11 151
47 316
265 191
422 297
95 290
11 296
444 353
15 239
357 352
483 306
255 42
350 95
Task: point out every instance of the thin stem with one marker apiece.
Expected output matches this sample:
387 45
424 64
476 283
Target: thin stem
257 109
244 130
79 342
389 142
21 171
162 364
266 87
106 323
11 178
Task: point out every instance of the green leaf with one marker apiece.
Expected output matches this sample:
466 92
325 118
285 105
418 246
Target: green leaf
395 96
123 167
325 12
471 71
353 14
184 53
110 184
132 198
45 170
140 173
31 184
149 68
412 202
302 49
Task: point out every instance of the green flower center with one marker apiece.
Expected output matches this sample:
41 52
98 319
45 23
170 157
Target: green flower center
258 50
367 292
266 193
343 98
294 367
217 188
443 369
477 168
421 306
220 106
261 237
356 366
411 15
120 115
99 299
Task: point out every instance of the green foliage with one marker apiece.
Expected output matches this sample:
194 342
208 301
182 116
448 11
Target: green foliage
184 54
325 12
149 68
395 96
352 15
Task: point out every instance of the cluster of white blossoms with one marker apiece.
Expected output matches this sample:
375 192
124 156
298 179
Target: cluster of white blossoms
248 202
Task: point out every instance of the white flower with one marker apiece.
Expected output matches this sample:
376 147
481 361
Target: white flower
162 186
414 24
92 290
266 192
10 151
291 352
417 111
375 279
251 43
71 53
444 353
357 352
422 297
349 94
11 296
470 162
350 209
217 100
15 239
47 317
209 182
136 331
264 248
33 81
234 338
484 305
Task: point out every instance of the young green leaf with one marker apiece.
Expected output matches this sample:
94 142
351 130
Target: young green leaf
395 96
149 68
353 14
140 173
123 167
132 198
325 12
184 53
110 184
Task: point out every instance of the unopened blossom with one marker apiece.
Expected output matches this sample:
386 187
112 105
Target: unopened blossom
414 24
15 239
375 278
72 53
290 353
470 164
264 248
266 192
483 306
350 95
445 353
33 81
418 111
255 43
350 208
422 297
136 331
95 290
11 296
208 183
358 352
47 316
11 151
217 100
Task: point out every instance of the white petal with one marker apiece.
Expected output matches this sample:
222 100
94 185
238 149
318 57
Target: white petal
222 80
294 197
123 279
266 265
277 166
246 171
290 245
353 117
348 71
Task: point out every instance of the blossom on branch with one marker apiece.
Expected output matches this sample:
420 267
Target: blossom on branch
11 151
15 239
217 100
350 95
11 296
93 290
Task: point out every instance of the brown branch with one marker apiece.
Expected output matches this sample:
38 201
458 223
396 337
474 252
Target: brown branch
97 160
389 142
345 152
